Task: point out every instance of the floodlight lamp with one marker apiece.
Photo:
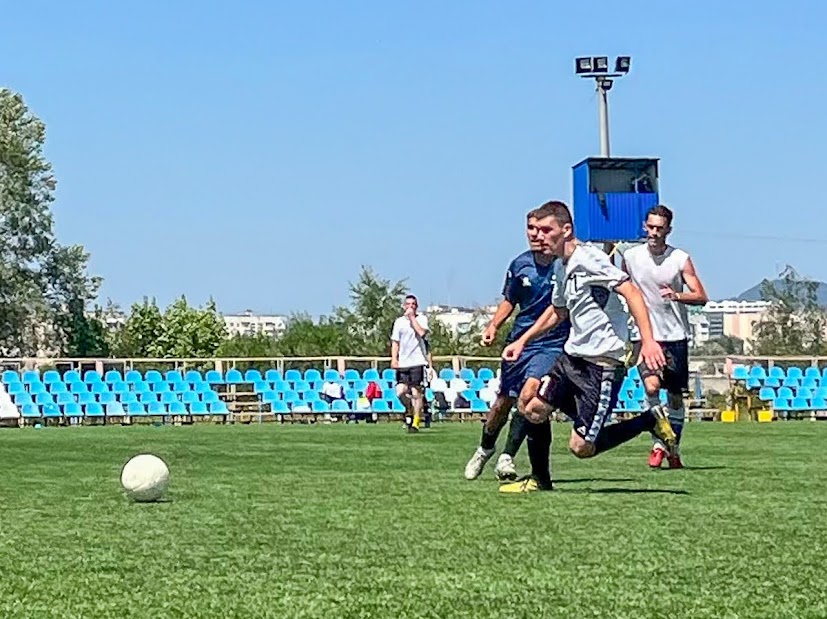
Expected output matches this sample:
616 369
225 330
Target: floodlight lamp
622 64
582 65
600 64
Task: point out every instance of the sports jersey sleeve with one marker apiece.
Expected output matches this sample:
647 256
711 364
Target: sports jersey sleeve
508 285
395 335
558 295
422 319
603 272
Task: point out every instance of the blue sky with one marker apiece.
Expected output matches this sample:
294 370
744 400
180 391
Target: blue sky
260 153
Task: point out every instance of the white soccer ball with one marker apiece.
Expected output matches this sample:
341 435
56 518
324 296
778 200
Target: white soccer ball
145 478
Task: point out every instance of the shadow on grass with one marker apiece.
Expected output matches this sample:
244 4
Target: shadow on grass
628 491
578 480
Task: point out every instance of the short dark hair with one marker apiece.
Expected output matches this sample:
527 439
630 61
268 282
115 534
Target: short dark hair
554 208
661 211
412 296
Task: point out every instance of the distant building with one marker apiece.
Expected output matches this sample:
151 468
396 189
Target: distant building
729 317
460 320
249 323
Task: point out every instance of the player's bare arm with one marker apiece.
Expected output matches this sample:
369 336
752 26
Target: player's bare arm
420 330
546 322
696 294
504 311
650 350
394 354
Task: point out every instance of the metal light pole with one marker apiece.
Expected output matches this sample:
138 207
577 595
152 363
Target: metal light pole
597 68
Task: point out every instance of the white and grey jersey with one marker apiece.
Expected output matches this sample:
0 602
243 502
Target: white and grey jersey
585 286
651 273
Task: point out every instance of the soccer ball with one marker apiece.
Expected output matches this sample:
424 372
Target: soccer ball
145 478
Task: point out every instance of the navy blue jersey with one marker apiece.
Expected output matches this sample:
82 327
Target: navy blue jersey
529 285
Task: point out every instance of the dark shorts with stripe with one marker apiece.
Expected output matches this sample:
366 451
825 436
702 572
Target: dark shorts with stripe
531 364
584 391
674 377
412 377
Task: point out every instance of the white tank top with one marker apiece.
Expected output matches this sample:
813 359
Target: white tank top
670 322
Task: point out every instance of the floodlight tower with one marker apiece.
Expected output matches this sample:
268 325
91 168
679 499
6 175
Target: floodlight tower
597 68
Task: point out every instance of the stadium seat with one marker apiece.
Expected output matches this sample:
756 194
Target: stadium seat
107 398
23 398
291 397
201 387
791 382
447 374
281 386
371 374
469 394
156 409
753 383
351 395
634 373
99 388
193 376
52 377
457 384
292 376
396 405
301 408
167 397
173 376
360 385
389 374
467 374
147 397
112 376
219 408
800 404
803 392
786 393
210 397
312 375
311 396
821 392
30 411
319 406
771 381
72 410
10 377
51 410
153 376
44 398
213 377
129 397
381 406
115 409
261 386
134 408
478 406
794 372
812 372
301 386
767 394
179 387
810 382
177 408
30 377
776 372
160 387
476 384
819 404
268 397
132 377
279 408
233 377
332 375
86 398
252 376
72 376
92 377
120 387
758 372
272 376
93 409
64 397
485 374
340 406
352 375
198 408
739 372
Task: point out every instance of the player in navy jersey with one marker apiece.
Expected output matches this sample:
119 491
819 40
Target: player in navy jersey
528 285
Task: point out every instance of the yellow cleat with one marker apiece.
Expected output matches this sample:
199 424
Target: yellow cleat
527 484
663 429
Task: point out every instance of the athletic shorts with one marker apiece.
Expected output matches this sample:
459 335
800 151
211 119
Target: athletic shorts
531 364
584 391
674 377
413 377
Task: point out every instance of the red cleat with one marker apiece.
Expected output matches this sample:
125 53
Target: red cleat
675 462
656 458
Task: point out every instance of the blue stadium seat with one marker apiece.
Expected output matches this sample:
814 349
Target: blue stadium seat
776 372
279 408
113 376
804 393
30 410
469 395
44 398
99 388
381 406
301 408
199 408
179 387
633 373
173 376
771 381
219 408
291 397
156 409
15 388
93 409
188 397
812 372
233 377
64 398
86 398
331 375
35 388
739 372
340 406
819 404
134 408
210 397
153 376
78 388
281 386
160 387
201 387
319 406
396 405
478 406
23 398
213 377
371 374
360 385
72 409
92 377
51 410
810 383
120 387
753 383
467 374
301 386
132 377
30 377
193 376
786 393
58 388
147 397
351 395
794 372
10 377
477 384
485 374
292 376
72 376
107 398
177 408
51 377
272 376
447 374
167 397
821 392
114 409
352 375
310 396
141 387
800 404
129 397
790 382
767 394
261 386
389 374
758 372
268 397
252 376
312 375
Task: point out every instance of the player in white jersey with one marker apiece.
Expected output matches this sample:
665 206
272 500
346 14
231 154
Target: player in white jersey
668 281
585 380
409 357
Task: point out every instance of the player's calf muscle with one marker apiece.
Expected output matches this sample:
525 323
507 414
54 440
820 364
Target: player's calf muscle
579 447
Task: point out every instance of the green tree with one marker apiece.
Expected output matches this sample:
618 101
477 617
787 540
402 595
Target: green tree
256 345
794 323
142 332
720 346
44 286
305 338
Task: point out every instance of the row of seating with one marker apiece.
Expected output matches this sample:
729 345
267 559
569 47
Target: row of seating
147 397
72 410
757 377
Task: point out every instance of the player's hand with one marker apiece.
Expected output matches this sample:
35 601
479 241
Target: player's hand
410 313
668 293
513 351
395 364
652 355
431 374
488 335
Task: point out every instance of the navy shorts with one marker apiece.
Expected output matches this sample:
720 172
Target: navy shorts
583 391
674 377
531 364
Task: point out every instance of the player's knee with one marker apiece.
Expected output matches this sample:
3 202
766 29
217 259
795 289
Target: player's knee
579 447
529 391
652 385
535 410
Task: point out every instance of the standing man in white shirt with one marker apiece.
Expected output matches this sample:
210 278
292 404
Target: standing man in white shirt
409 359
663 273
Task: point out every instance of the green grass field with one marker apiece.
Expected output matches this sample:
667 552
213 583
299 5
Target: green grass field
366 521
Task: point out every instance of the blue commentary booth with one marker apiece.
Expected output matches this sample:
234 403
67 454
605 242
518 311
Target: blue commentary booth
611 197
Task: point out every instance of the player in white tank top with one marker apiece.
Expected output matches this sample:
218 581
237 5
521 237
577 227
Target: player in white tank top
668 282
